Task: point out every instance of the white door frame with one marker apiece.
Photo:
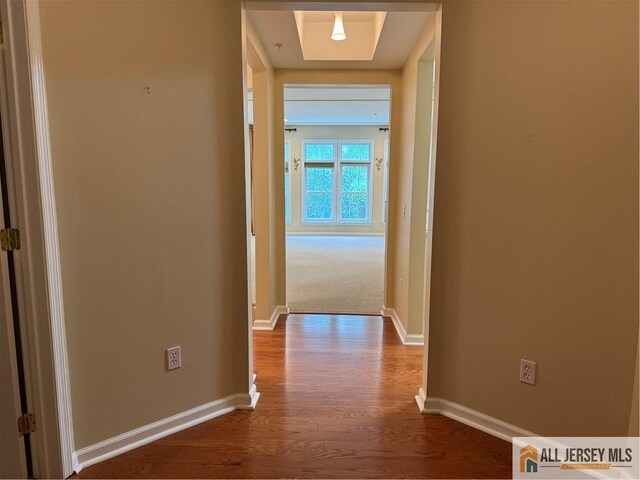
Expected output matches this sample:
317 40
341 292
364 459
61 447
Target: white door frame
422 393
33 211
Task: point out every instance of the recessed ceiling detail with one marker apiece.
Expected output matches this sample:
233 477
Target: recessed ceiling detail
401 32
362 30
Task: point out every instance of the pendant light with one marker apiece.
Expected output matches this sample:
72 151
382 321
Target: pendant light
338 29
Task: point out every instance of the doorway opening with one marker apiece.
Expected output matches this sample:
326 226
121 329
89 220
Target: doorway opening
340 172
334 185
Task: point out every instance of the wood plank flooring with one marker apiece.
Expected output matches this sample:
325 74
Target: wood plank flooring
337 402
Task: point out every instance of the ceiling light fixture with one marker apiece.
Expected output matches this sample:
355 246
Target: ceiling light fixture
338 29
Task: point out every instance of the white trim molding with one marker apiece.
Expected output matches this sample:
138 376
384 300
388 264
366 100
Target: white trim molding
410 339
336 163
125 442
468 416
273 320
32 205
52 249
248 401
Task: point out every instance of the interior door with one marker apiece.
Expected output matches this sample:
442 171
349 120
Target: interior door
15 451
12 452
13 460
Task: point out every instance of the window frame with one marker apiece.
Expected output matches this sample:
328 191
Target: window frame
304 143
369 192
336 165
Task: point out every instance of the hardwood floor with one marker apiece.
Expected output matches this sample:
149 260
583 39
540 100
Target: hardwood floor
337 402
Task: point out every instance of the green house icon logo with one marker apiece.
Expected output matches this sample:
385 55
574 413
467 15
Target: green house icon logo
528 459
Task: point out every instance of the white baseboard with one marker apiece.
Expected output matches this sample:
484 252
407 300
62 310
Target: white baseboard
249 400
420 400
483 422
412 339
470 417
120 444
406 339
271 323
75 463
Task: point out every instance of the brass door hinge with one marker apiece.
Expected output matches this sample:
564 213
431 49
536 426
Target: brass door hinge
10 239
26 424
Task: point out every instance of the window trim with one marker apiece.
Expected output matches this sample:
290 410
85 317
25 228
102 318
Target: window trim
303 216
336 164
340 163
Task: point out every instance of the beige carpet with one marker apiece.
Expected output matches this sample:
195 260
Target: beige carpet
335 274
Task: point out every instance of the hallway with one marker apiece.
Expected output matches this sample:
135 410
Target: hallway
337 402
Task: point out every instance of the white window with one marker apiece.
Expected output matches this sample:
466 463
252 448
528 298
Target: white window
344 197
287 181
355 181
319 182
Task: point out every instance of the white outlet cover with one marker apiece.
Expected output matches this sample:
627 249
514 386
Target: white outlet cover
174 358
527 371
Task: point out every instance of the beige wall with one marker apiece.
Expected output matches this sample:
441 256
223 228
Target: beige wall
376 227
269 290
535 236
249 77
535 249
634 414
407 277
150 192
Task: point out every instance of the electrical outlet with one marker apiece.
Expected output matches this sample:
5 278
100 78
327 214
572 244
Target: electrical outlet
174 358
404 210
528 372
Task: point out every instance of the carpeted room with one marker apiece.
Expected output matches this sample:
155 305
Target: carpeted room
335 274
335 196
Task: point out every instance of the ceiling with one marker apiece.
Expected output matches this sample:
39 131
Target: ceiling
400 33
315 31
334 105
315 16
